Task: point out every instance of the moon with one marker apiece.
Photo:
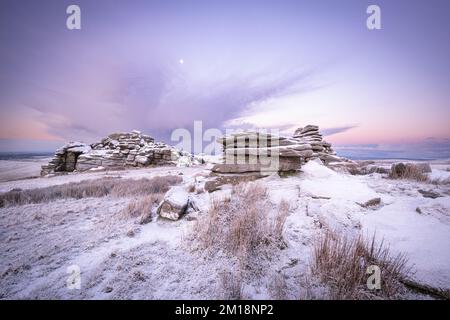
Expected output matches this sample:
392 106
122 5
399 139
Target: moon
181 61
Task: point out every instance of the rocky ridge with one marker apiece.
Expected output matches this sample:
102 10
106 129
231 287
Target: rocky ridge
243 151
117 150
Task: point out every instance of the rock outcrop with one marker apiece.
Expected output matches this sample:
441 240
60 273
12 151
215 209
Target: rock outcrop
65 158
118 150
321 148
243 151
253 155
248 156
247 152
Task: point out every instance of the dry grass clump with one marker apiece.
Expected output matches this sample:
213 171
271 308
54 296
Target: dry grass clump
142 207
90 188
342 263
416 173
278 287
242 225
144 186
410 172
231 284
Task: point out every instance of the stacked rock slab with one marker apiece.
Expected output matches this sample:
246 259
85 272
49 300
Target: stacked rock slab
321 149
65 158
249 155
250 152
117 150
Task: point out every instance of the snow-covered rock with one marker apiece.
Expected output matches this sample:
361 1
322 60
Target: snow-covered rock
321 149
65 159
117 150
174 204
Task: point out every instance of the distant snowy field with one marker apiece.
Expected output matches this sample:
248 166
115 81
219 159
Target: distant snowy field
19 169
38 242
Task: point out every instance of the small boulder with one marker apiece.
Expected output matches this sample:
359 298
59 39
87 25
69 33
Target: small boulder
377 169
371 203
142 160
174 204
429 194
215 182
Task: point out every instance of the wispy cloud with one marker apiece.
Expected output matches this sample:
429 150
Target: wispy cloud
336 130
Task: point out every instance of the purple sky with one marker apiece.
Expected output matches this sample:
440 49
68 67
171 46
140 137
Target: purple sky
269 64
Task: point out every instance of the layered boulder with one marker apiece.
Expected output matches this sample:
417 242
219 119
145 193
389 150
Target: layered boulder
321 149
114 151
252 155
247 152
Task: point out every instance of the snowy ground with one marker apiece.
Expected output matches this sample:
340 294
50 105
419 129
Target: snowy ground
425 237
20 169
76 177
120 259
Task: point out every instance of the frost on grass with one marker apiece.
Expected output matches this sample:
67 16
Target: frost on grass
242 225
415 172
245 228
409 172
342 262
232 285
142 207
90 189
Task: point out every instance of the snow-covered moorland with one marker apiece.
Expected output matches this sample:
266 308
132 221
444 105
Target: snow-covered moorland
119 257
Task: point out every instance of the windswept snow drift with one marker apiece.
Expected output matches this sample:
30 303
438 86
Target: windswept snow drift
321 181
424 238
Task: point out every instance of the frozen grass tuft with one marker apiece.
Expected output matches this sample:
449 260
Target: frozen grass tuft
231 285
410 172
415 172
342 263
90 189
242 225
142 207
278 287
